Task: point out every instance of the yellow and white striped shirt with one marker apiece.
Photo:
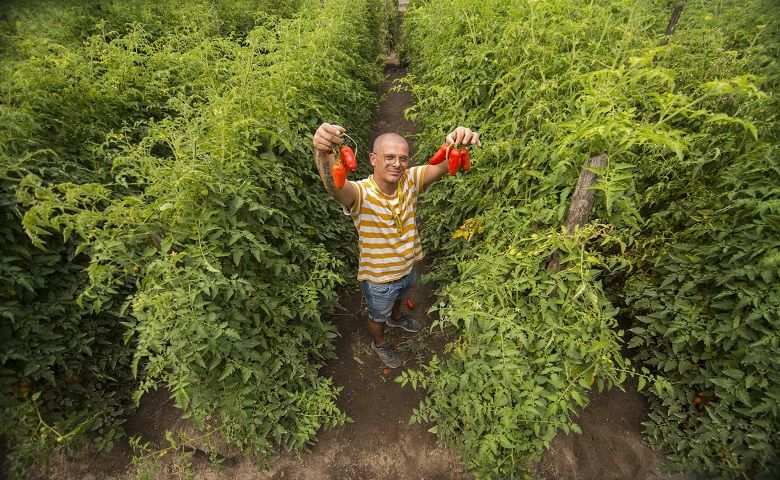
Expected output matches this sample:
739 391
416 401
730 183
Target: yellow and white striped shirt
387 252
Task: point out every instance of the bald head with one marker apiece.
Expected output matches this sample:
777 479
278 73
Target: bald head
388 138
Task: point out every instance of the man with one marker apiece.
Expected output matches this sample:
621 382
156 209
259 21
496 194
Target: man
382 207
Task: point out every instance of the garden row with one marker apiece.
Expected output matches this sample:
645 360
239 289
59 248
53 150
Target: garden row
163 220
683 247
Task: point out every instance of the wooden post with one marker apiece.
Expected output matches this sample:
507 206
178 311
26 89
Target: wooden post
673 21
581 201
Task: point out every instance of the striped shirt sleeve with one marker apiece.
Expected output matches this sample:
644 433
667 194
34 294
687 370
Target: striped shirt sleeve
354 212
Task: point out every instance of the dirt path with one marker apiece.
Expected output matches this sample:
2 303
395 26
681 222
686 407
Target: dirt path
379 443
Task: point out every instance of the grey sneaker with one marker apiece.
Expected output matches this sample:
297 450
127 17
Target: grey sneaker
406 322
386 354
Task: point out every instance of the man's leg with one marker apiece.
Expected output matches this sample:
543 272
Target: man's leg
377 331
380 345
396 315
380 300
397 318
400 320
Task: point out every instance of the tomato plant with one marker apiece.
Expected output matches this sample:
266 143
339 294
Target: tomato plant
165 216
681 244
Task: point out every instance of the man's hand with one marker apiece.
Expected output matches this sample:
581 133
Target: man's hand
463 136
327 137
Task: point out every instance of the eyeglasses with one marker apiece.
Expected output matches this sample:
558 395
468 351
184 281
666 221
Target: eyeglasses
391 159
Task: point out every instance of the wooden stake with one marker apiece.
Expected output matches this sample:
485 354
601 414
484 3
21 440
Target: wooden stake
673 21
581 202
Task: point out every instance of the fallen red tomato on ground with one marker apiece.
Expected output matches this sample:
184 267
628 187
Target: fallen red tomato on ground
410 304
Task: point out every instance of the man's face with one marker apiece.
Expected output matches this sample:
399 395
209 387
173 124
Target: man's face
390 159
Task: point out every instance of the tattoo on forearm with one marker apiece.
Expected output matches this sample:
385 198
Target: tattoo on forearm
325 174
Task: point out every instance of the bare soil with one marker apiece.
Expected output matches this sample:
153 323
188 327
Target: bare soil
379 443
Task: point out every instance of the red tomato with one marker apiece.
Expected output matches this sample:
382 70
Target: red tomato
440 155
454 161
465 160
409 304
349 157
339 175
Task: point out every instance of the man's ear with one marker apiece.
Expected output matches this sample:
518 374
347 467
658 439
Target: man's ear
372 159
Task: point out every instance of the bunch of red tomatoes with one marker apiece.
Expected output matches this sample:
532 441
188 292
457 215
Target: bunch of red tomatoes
457 158
345 161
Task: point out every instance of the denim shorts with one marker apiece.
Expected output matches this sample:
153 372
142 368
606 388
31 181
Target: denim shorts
380 297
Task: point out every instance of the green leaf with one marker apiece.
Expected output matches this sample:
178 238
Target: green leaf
229 369
726 383
735 374
505 442
237 254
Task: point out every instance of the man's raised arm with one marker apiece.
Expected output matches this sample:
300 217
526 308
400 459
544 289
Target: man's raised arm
326 139
460 136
